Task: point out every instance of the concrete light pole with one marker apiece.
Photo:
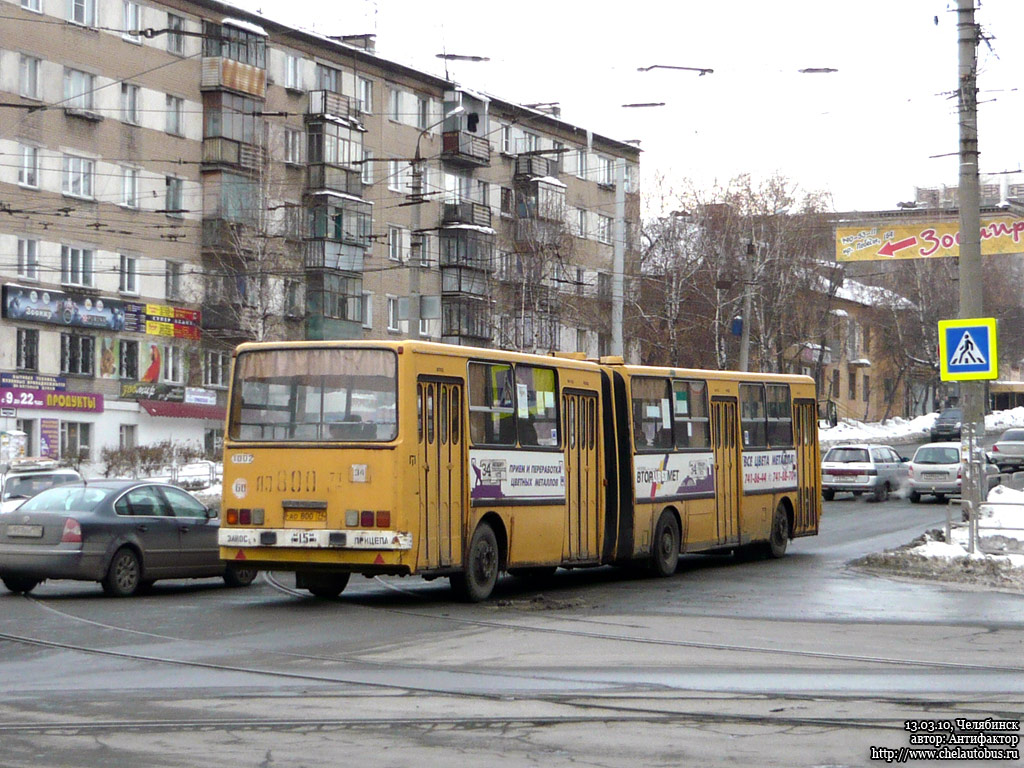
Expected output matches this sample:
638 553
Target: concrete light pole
748 280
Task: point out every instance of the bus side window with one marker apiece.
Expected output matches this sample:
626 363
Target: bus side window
537 406
752 415
652 415
491 404
780 415
690 411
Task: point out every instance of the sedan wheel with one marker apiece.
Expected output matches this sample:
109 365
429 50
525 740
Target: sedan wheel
20 584
124 576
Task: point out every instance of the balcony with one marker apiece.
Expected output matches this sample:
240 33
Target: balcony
464 281
233 75
539 233
465 149
335 178
531 166
221 151
466 319
466 248
329 254
466 212
328 105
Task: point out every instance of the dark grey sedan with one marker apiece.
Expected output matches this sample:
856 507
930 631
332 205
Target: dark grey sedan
125 534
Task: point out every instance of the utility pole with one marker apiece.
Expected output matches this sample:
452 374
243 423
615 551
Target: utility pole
970 274
748 281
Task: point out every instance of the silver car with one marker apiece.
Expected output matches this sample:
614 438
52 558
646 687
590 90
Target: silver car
936 470
1008 451
862 468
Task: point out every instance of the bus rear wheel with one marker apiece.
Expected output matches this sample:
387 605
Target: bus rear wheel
778 539
665 547
481 569
323 585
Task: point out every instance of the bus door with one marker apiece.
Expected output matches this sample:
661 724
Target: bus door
441 435
808 467
725 443
579 420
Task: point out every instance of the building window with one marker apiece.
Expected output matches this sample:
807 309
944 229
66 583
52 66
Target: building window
128 361
172 365
173 199
75 265
581 163
82 12
342 297
393 314
172 280
367 176
230 42
78 176
28 171
367 309
35 6
506 139
400 176
396 243
28 259
175 109
216 369
78 89
292 72
28 349
76 354
175 38
130 103
130 187
328 78
395 105
866 389
424 327
422 113
604 285
28 77
128 437
292 146
581 222
426 249
364 95
835 384
604 229
129 274
852 382
605 170
75 440
132 23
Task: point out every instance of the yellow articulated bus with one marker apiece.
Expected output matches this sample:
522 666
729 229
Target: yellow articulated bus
420 458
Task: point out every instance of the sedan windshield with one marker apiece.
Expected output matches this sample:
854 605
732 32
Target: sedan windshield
66 498
1016 435
928 455
847 455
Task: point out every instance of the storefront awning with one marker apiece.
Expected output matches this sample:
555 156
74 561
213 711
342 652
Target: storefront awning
183 410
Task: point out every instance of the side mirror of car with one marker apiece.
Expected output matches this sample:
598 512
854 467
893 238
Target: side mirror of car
904 459
211 513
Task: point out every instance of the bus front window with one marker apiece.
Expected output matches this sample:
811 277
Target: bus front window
315 395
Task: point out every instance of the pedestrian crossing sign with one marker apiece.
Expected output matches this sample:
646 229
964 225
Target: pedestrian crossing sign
967 349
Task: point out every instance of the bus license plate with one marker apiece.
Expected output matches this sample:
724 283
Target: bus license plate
25 531
305 515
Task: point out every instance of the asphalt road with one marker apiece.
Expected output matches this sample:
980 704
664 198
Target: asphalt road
795 662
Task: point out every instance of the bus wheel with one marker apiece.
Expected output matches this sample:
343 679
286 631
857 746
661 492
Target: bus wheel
665 547
779 537
326 586
482 562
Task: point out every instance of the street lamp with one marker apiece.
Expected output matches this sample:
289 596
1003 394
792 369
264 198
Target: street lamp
417 172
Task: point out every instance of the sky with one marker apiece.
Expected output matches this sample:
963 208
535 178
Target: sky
884 123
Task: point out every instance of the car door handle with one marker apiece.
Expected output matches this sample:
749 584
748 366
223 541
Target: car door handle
143 528
183 528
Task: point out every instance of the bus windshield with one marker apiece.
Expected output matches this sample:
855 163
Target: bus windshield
318 395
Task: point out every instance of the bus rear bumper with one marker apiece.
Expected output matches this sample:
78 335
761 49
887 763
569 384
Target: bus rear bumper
304 538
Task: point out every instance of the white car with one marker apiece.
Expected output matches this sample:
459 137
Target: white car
936 469
24 478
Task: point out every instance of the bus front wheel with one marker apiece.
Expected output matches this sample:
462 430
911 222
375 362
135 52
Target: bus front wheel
483 560
665 547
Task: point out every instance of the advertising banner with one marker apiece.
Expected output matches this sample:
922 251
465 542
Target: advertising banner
140 390
60 308
86 402
885 240
33 381
769 470
49 438
659 477
518 475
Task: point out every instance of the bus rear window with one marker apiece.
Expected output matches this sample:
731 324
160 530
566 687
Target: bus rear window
315 395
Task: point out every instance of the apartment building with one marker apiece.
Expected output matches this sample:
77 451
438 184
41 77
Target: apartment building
181 176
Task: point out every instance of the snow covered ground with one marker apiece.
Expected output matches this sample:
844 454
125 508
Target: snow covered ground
897 430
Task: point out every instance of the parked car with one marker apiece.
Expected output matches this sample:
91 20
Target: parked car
862 468
125 534
24 478
947 425
1008 451
936 469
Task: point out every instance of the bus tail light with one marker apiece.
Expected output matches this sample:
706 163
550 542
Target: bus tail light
231 517
366 518
351 517
245 516
72 533
383 518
